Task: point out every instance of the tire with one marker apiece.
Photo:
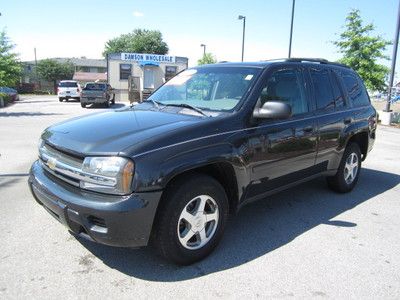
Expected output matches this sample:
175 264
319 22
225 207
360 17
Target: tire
107 104
83 105
349 170
182 233
60 99
113 100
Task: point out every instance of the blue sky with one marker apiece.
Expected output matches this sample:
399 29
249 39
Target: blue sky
80 28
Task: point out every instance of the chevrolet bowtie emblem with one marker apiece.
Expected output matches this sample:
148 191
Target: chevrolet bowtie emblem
52 162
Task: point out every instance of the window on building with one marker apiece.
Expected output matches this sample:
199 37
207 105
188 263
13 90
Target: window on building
286 85
322 88
355 89
125 70
170 71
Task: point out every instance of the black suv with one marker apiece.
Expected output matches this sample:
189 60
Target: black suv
207 142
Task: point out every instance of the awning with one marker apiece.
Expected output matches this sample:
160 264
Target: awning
148 63
87 76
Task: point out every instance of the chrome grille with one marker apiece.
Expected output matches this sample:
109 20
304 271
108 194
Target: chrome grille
59 163
69 168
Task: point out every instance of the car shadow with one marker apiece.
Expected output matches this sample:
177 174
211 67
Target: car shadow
26 114
257 230
112 106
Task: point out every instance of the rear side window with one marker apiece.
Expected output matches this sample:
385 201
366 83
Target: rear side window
355 89
337 92
322 88
68 84
95 86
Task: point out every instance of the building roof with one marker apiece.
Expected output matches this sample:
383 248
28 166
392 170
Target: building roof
85 76
80 62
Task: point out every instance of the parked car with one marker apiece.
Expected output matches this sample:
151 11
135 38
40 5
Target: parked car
206 143
11 92
99 93
68 89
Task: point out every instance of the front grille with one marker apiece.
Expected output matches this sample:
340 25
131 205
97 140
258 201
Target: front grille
60 164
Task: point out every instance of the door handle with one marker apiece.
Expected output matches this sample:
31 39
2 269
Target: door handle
308 129
347 121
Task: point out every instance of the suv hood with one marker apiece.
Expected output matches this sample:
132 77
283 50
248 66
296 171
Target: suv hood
117 131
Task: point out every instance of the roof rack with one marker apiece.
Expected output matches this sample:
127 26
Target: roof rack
312 60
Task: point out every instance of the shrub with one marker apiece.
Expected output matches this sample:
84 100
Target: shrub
6 98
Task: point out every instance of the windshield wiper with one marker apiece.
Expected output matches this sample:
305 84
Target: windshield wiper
185 105
155 103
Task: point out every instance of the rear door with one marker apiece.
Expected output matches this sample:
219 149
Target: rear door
332 115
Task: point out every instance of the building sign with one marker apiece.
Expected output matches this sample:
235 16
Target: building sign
144 57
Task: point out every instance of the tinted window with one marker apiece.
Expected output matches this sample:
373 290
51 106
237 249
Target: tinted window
337 93
287 86
68 84
95 86
125 70
322 88
355 89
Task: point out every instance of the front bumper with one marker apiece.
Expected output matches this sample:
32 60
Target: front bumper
122 221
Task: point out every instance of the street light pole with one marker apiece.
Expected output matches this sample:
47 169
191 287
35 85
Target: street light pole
394 56
204 49
291 30
244 31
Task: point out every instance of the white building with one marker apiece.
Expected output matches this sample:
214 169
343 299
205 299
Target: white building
137 75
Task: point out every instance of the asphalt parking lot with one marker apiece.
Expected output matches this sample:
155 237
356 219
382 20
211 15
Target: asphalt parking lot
304 242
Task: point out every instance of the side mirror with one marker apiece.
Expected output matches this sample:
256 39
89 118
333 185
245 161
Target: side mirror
273 110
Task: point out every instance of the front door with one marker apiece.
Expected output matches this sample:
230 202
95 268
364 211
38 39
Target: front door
282 151
148 80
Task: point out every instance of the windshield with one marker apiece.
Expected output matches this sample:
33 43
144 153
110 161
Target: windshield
212 88
68 84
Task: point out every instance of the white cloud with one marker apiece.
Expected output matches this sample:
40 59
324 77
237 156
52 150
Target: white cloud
138 14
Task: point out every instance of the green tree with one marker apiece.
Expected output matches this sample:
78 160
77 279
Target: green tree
362 51
207 58
10 67
51 70
138 41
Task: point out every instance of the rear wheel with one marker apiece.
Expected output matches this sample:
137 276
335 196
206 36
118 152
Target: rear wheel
191 219
83 105
349 170
60 99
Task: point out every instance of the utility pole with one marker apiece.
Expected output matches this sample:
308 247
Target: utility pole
394 56
244 31
36 71
291 30
204 49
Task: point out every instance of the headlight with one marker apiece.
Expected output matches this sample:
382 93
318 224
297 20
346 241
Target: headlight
111 175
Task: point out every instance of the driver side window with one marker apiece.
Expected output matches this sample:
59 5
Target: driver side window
285 85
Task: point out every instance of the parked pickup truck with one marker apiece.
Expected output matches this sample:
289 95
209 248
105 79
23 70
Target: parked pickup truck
209 141
99 93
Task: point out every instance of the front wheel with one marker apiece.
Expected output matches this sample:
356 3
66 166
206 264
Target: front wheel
349 170
191 220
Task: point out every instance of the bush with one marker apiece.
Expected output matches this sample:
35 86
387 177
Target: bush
6 98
